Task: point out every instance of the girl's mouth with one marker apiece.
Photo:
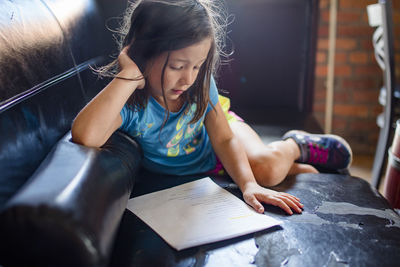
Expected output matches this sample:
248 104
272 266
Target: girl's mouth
177 92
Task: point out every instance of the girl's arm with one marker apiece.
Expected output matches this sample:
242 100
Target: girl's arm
233 156
97 121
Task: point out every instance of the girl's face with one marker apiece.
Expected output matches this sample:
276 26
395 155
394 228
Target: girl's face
180 72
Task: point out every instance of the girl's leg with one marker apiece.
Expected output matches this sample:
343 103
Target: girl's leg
272 162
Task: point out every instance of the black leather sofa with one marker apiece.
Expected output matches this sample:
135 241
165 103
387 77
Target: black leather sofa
62 204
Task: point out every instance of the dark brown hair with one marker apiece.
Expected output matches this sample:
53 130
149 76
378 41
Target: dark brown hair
153 27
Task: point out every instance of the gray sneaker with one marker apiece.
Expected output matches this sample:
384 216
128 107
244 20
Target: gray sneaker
323 150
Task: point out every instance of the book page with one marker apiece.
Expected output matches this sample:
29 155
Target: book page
197 213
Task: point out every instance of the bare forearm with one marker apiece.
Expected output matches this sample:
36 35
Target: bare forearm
234 159
98 119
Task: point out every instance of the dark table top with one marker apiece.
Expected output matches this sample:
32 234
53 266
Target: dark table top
345 222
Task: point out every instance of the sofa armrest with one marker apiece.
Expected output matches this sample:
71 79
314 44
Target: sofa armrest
68 212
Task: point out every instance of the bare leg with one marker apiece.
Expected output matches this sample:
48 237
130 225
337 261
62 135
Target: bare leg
272 162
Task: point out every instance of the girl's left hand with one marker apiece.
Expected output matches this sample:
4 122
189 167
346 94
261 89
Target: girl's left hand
253 194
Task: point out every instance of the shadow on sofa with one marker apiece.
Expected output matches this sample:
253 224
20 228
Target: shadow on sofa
60 203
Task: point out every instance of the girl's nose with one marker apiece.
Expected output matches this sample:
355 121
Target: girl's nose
188 77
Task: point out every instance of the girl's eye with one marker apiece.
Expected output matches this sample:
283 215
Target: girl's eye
176 68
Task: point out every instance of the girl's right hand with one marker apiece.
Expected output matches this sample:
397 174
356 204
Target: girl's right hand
129 69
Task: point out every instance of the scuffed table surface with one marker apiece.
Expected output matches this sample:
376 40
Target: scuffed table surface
345 222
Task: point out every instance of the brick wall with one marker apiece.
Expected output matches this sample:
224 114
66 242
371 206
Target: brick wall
358 77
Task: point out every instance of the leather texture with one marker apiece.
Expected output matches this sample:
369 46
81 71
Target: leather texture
68 212
47 48
60 203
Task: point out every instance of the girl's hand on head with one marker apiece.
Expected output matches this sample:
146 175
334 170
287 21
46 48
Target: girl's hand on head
254 194
129 69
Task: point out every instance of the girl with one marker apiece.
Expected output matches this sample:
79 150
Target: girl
164 95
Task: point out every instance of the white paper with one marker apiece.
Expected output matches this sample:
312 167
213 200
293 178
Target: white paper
197 213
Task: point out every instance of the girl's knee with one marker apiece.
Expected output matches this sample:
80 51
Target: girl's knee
268 167
302 168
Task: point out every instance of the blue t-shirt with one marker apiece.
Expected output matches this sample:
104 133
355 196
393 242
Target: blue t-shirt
181 148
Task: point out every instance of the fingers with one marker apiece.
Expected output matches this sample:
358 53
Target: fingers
130 69
289 196
294 199
280 203
124 50
252 201
253 194
293 204
285 201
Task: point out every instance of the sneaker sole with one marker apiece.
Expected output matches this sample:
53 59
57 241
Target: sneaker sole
334 136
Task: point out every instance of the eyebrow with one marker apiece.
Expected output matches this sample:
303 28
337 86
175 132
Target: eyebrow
185 60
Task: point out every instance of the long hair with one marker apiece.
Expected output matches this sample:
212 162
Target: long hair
153 27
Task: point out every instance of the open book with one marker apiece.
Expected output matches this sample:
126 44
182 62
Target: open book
197 213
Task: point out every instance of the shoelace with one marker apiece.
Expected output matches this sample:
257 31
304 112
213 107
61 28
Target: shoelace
317 154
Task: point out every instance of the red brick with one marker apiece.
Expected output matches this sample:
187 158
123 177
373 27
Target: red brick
319 107
376 110
350 110
320 95
355 95
364 125
321 70
366 44
349 16
343 70
322 44
368 70
324 16
396 31
358 57
319 83
339 123
354 30
360 4
364 18
365 96
323 4
345 43
373 137
342 96
366 83
323 31
396 17
321 57
340 57
320 118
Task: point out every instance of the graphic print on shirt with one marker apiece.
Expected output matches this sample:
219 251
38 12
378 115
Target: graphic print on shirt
173 151
191 147
142 129
184 131
190 131
175 141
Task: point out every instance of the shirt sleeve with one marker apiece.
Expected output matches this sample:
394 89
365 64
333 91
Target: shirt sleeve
128 116
213 94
